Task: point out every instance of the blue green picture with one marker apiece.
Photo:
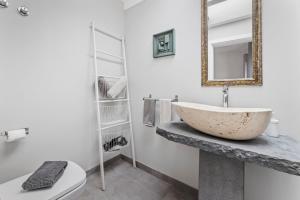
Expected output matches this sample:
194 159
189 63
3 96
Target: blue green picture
164 44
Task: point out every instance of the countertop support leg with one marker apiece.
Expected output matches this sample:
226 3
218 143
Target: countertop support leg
220 178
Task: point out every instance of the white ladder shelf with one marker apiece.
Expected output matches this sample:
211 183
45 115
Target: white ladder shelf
98 102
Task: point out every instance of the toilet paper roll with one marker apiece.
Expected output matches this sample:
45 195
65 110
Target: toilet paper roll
14 135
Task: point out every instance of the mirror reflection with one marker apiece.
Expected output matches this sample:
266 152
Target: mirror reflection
229 39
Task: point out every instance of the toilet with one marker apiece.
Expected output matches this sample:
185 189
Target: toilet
68 187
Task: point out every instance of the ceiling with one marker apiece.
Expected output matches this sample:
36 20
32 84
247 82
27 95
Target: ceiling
213 2
130 3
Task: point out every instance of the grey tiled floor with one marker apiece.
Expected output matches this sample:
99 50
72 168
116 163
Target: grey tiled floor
123 182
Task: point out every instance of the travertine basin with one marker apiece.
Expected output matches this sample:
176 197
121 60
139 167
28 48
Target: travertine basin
229 123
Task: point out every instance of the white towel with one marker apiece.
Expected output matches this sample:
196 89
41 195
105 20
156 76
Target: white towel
117 88
174 114
165 110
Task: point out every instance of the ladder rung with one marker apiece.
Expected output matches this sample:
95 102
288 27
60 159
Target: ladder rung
116 150
109 54
107 34
113 151
112 100
105 76
118 124
113 123
109 60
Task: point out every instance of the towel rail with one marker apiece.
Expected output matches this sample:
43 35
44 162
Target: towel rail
173 100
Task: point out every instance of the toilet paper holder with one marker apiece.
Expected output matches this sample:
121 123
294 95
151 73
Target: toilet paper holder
6 133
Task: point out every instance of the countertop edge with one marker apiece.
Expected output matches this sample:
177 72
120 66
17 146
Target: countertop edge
275 163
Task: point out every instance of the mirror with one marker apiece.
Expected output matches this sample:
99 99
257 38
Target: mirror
231 42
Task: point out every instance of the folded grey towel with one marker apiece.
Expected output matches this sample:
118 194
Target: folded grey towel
149 112
104 86
45 176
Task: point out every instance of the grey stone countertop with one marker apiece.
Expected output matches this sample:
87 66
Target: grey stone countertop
282 154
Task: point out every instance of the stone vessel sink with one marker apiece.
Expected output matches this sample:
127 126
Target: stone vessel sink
228 123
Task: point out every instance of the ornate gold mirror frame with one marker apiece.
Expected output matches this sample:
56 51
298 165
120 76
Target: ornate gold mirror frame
256 49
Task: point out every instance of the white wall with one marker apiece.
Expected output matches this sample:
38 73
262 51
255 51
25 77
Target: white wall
46 81
180 74
130 3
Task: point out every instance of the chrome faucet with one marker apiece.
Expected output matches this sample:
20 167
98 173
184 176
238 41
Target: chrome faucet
225 96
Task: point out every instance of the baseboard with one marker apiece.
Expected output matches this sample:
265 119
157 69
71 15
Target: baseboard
106 163
182 186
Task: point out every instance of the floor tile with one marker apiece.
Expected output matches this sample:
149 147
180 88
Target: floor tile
123 182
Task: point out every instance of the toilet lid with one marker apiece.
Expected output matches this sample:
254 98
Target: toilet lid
73 177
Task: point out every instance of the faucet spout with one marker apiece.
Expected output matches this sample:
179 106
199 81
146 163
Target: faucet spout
225 96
